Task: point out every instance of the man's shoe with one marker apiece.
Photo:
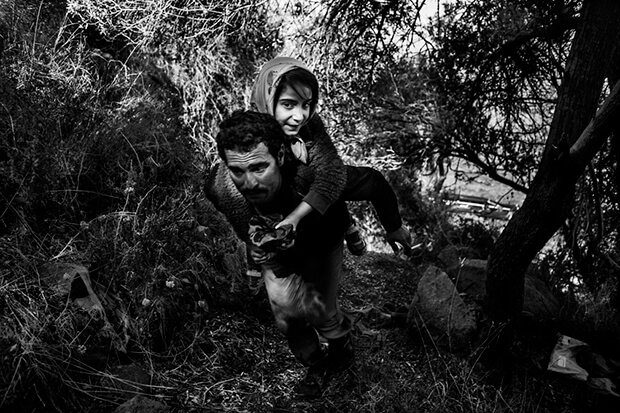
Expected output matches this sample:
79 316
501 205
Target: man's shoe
255 280
341 353
311 385
355 242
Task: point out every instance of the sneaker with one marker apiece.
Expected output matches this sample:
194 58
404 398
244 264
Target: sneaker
341 353
355 242
311 385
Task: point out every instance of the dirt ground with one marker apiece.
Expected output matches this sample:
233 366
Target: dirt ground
241 363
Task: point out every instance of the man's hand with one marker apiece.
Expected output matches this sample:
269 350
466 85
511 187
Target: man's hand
401 238
258 255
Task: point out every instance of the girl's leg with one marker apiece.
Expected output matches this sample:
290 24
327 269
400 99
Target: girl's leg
368 184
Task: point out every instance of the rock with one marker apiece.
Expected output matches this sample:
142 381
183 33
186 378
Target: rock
128 380
539 303
65 278
73 280
449 257
438 309
142 404
470 278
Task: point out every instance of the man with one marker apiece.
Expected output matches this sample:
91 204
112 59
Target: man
301 267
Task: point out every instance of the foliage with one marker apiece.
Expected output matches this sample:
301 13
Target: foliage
108 109
208 49
99 167
590 233
498 66
487 76
374 36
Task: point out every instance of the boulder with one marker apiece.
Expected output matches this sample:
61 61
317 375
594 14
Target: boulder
470 278
539 303
437 309
449 257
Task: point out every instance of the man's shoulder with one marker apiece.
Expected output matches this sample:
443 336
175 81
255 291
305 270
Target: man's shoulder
220 189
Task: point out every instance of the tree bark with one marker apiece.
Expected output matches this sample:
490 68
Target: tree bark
552 191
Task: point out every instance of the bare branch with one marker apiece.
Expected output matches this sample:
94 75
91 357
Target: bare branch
598 129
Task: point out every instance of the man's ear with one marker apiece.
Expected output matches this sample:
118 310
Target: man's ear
281 155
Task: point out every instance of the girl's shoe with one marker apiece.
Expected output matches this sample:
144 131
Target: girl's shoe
355 242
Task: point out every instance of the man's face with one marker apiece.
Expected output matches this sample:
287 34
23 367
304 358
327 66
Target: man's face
256 174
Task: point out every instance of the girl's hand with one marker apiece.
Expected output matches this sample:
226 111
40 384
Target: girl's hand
290 220
294 217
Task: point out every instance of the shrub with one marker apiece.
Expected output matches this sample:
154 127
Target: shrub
99 168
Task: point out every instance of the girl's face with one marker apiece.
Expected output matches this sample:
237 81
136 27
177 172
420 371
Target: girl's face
292 111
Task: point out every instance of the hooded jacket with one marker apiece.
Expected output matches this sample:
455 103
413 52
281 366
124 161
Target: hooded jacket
327 166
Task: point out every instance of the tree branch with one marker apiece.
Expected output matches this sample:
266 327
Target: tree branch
598 129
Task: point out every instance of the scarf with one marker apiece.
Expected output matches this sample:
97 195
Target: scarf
264 89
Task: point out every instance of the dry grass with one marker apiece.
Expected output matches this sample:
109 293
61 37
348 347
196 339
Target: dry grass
238 362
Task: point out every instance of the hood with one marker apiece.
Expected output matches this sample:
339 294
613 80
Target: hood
267 82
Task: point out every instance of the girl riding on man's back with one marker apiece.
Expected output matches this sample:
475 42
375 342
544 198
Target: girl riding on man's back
289 91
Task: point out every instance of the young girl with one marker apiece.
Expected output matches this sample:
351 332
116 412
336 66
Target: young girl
289 91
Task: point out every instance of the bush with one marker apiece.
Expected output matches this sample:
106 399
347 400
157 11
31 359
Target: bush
101 168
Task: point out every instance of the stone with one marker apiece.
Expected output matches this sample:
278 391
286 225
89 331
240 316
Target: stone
65 278
438 309
142 404
449 257
73 280
539 303
470 278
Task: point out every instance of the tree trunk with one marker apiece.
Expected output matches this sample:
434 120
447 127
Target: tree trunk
551 193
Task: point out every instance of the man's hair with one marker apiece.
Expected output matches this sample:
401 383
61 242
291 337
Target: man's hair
296 79
244 130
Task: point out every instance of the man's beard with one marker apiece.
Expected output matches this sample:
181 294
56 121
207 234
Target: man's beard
255 195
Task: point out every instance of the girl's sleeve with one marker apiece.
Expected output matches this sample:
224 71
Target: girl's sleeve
330 175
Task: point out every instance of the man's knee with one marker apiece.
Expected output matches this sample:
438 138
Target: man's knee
289 325
314 307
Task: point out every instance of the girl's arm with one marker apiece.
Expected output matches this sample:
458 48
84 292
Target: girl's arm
298 213
328 172
330 175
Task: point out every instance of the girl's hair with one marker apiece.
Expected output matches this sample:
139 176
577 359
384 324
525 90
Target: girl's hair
296 79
